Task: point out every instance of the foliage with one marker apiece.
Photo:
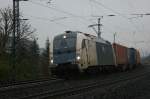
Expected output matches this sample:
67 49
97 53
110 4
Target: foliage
45 60
6 27
27 49
28 60
5 67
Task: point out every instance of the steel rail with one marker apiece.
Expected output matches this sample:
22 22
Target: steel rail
12 83
80 89
19 90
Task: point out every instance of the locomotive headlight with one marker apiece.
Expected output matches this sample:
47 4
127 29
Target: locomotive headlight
51 61
64 36
78 57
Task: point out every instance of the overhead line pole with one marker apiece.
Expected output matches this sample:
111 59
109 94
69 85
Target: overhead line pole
14 42
98 27
16 30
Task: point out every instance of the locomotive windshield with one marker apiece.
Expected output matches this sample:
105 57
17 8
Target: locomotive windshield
64 48
62 43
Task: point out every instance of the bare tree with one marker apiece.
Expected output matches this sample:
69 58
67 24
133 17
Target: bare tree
6 27
23 57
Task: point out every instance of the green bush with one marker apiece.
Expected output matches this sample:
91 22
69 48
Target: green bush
25 69
5 68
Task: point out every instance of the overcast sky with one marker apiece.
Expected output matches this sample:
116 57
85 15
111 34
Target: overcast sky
58 16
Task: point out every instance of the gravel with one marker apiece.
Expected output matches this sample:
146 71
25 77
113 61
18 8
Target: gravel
138 88
134 89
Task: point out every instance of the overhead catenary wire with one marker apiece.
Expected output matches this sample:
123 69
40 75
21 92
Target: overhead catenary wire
110 9
58 10
120 14
92 8
48 20
82 17
61 11
97 7
53 20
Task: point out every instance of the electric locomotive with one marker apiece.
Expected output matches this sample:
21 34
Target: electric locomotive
77 52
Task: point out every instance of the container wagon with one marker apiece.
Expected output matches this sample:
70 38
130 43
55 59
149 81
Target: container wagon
138 58
132 57
121 56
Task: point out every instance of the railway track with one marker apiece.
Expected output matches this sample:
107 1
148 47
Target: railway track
58 88
18 90
13 83
80 89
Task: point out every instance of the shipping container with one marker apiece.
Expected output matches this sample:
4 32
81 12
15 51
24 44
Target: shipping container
138 58
121 54
132 56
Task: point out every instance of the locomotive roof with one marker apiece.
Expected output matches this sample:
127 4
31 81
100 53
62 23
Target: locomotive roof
74 34
70 34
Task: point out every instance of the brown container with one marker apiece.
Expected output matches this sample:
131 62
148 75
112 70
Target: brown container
121 54
138 58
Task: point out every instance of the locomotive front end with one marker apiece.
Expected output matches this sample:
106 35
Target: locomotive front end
64 54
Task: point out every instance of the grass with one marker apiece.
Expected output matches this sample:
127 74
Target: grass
5 68
24 70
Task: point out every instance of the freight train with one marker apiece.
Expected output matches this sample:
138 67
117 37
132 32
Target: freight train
77 52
